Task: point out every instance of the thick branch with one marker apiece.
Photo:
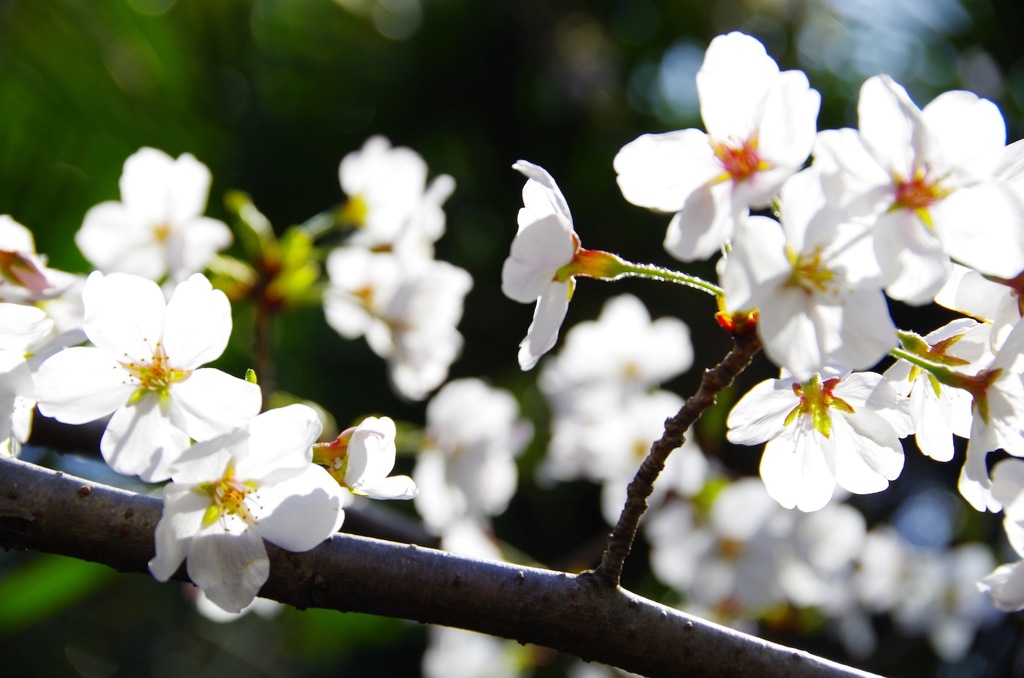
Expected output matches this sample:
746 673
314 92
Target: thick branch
53 512
714 381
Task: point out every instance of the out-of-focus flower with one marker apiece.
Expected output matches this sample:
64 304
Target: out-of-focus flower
24 276
760 129
157 229
22 328
407 310
144 367
230 493
388 200
467 467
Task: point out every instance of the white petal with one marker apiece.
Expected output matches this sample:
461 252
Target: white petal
732 83
1006 586
114 239
181 520
868 452
82 384
124 314
789 121
890 125
759 415
229 568
280 443
542 334
371 452
142 439
214 402
302 511
537 252
197 323
797 469
967 129
660 171
541 195
705 223
194 245
393 487
982 227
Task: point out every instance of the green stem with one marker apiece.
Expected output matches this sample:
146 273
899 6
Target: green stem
651 272
942 373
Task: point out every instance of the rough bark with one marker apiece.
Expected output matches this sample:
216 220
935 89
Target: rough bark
49 511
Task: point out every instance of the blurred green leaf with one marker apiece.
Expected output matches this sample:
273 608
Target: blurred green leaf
46 586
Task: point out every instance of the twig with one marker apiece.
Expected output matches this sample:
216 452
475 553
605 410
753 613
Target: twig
714 381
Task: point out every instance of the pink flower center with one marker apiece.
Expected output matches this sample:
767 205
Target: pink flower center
739 162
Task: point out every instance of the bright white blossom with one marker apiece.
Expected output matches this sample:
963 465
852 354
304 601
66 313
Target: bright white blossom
144 368
230 493
993 301
760 129
932 182
1005 584
838 430
22 329
362 458
467 466
389 202
544 245
157 229
940 412
814 281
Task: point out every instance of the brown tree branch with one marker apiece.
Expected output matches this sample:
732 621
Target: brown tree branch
714 381
50 511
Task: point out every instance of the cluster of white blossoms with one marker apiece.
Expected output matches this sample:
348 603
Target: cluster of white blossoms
119 346
385 283
815 230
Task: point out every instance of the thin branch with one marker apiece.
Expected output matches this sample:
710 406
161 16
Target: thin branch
714 381
53 512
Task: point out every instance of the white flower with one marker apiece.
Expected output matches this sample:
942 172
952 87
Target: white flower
24 277
467 465
361 459
992 301
940 412
997 418
623 347
544 245
144 367
408 310
157 229
814 282
22 328
842 430
1005 584
230 493
389 202
929 178
760 129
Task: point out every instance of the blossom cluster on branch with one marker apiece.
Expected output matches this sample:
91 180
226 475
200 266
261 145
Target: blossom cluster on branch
816 231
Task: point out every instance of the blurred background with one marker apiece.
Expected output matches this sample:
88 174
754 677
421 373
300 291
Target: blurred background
271 94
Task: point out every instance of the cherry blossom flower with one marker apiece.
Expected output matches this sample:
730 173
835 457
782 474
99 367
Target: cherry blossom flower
22 328
991 300
622 347
997 417
230 493
939 412
760 129
408 310
929 178
144 367
24 276
388 200
361 458
814 283
467 466
543 261
843 429
157 229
